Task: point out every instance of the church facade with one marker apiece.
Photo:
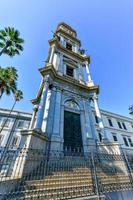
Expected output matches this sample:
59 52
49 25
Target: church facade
70 150
67 91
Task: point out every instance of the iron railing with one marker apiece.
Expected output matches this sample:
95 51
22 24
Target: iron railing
35 174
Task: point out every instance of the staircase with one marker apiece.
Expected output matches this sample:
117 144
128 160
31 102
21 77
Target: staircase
64 179
110 180
71 177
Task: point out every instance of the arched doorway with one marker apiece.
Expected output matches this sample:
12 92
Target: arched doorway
72 127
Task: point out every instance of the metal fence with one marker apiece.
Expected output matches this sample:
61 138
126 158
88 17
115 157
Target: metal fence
34 174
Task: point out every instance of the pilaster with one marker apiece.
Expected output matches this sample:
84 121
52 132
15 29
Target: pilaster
46 111
60 66
50 122
57 112
99 117
88 72
41 107
52 54
32 122
92 125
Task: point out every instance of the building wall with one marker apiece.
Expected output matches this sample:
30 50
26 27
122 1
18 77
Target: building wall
10 135
20 120
125 131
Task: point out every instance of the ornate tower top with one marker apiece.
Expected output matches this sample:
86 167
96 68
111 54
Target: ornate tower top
63 27
67 61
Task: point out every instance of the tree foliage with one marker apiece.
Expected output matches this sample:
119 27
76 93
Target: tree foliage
8 80
10 41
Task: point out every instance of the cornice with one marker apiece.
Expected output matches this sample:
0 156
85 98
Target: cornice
53 41
68 35
115 115
73 54
67 26
49 68
78 56
37 99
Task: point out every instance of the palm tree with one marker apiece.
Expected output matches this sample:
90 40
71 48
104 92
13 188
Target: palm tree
18 95
8 80
10 42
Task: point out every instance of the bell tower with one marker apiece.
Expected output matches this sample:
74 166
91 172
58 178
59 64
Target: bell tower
62 108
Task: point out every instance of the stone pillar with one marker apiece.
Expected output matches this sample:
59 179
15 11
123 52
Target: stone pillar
56 127
41 107
46 112
83 128
76 73
76 48
88 72
62 40
98 115
50 122
56 137
55 60
87 121
81 75
32 122
62 126
60 66
52 54
93 128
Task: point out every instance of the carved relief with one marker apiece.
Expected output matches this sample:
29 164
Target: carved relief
72 104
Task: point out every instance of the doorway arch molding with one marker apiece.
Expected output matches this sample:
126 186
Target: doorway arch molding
72 103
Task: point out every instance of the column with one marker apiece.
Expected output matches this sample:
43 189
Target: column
41 107
93 128
60 66
50 122
83 128
52 54
46 112
76 73
87 121
76 48
57 112
62 40
98 114
32 122
81 75
88 72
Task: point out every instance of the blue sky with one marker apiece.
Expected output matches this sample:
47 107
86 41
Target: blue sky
105 29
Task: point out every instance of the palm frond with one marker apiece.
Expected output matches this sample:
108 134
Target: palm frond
11 41
2 45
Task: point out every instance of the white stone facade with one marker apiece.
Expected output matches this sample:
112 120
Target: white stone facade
25 118
67 87
10 135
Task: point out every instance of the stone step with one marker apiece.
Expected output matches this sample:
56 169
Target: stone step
112 175
69 170
60 179
114 178
117 187
66 175
114 181
56 194
63 184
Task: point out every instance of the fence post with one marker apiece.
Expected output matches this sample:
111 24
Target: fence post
127 165
95 175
